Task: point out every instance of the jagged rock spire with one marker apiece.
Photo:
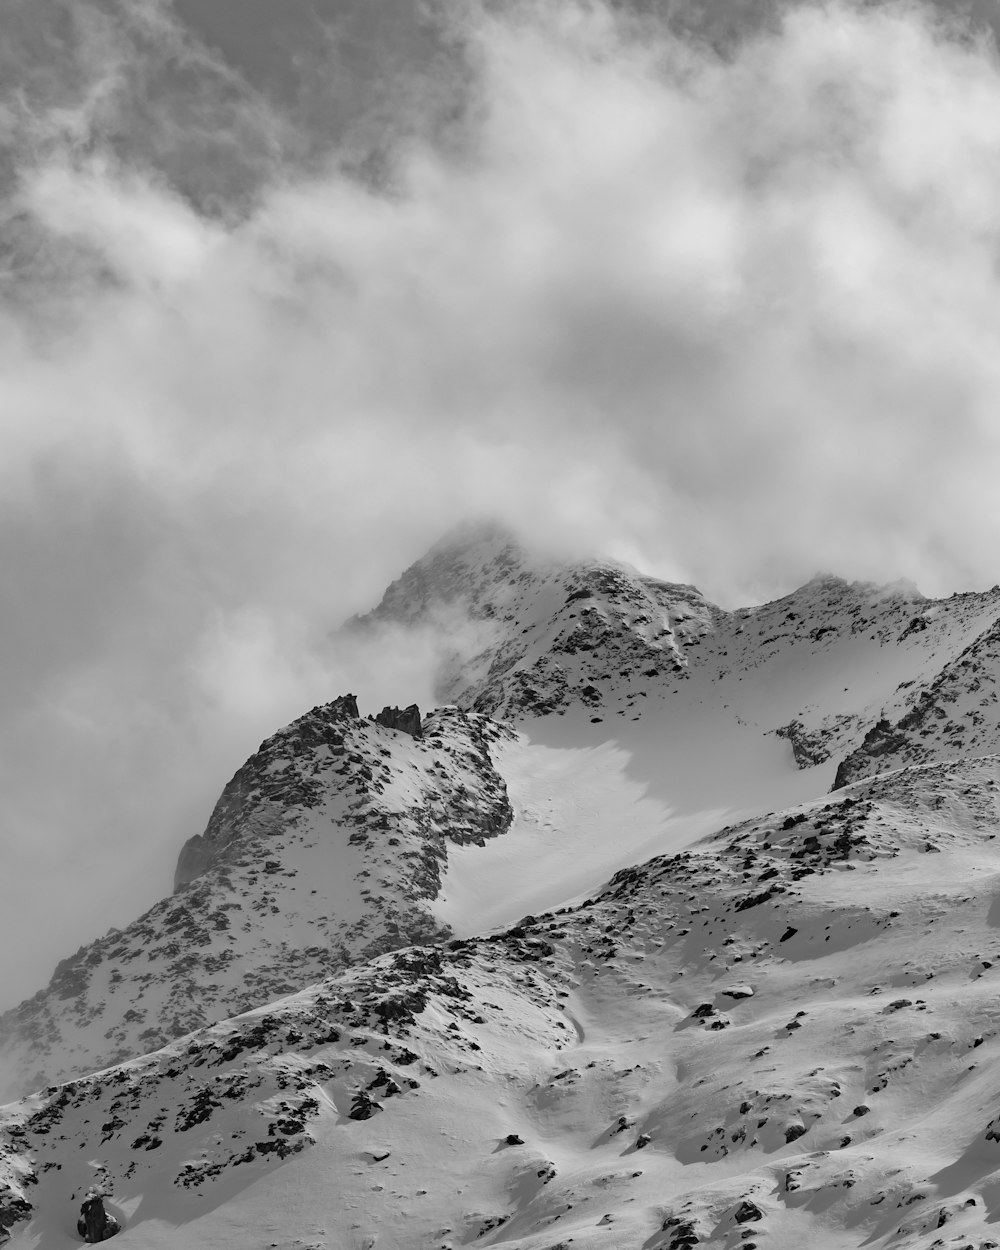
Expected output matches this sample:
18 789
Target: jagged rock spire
407 720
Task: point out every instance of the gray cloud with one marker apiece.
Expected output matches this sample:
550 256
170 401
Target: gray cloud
732 317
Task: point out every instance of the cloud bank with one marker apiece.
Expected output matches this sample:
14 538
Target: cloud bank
732 316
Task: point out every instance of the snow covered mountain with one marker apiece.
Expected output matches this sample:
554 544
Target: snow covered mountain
589 956
552 635
788 1029
954 715
599 636
326 848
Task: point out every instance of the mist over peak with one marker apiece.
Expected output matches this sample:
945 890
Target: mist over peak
288 293
678 303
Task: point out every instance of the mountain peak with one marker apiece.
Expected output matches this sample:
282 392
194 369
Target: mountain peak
834 586
321 726
473 536
326 848
355 890
538 635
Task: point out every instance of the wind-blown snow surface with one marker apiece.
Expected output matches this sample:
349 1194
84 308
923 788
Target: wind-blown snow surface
779 1031
798 1014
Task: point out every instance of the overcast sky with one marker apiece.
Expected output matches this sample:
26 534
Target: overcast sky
728 308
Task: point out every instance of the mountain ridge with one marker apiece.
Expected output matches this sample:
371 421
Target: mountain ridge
587 649
341 966
362 809
703 952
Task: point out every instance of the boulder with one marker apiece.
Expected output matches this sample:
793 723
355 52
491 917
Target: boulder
363 1107
13 1207
747 1211
95 1224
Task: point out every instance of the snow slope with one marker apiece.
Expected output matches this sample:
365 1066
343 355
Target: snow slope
535 638
643 927
800 1014
647 716
371 817
954 715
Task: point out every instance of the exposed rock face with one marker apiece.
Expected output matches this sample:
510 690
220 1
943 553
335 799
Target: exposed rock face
541 636
363 1106
326 847
14 1207
599 639
883 739
955 715
406 721
253 801
97 1224
809 749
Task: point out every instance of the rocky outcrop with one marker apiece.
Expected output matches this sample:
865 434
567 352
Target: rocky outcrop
327 847
253 801
537 637
808 749
540 636
250 1090
406 721
956 715
883 739
14 1208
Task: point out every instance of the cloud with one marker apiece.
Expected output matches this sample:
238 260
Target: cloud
732 316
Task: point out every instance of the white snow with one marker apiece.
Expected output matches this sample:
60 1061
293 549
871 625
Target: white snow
794 1002
578 816
888 1016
